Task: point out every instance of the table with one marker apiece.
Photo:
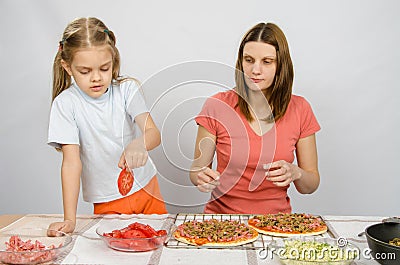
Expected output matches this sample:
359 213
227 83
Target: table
87 248
7 219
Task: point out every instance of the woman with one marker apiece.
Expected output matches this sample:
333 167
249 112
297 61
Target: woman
255 129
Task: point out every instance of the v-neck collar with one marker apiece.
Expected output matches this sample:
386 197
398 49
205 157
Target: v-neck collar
251 130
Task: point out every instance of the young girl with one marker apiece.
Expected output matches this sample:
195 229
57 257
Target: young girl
255 129
93 121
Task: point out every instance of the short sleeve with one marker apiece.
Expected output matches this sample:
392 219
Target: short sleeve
309 124
62 125
136 103
208 115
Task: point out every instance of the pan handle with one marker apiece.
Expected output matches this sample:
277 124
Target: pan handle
392 220
389 220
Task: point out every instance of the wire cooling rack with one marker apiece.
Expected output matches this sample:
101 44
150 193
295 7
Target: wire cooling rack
262 241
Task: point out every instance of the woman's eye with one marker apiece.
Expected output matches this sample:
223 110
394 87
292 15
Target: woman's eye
248 60
105 69
84 73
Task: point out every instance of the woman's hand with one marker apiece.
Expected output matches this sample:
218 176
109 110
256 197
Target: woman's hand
134 156
67 226
282 173
207 180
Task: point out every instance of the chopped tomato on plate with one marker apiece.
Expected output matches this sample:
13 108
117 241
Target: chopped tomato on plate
137 237
114 234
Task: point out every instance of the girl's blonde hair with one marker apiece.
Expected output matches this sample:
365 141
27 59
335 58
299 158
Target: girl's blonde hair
82 33
279 93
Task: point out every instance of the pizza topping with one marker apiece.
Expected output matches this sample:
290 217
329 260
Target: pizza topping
290 223
212 230
15 243
395 242
23 252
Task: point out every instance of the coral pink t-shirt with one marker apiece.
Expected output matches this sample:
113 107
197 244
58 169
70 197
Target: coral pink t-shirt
241 154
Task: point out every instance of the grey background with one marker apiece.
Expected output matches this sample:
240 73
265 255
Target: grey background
346 60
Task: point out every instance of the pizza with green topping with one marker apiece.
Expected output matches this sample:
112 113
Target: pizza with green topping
215 233
288 224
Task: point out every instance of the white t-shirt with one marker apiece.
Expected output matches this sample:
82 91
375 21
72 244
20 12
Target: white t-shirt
102 127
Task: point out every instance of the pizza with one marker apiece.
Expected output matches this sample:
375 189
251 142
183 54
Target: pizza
215 233
288 224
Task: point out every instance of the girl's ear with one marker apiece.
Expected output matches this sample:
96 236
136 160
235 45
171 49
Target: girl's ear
66 67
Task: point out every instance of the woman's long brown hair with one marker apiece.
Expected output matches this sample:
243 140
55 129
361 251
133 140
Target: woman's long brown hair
279 93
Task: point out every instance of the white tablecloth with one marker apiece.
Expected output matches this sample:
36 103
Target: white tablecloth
87 248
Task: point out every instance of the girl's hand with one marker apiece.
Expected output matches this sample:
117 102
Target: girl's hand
282 173
67 226
134 156
207 180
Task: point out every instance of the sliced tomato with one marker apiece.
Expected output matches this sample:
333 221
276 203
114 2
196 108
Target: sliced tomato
146 229
136 225
125 181
161 232
150 231
134 234
114 234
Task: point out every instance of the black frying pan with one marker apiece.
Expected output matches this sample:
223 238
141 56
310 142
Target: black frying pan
378 237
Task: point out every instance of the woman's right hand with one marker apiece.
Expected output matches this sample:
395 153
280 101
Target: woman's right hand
67 226
207 180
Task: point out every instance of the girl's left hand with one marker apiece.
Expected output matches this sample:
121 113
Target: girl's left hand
67 226
282 173
134 156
